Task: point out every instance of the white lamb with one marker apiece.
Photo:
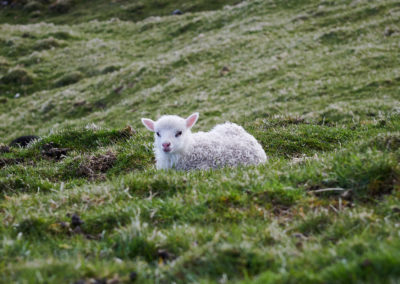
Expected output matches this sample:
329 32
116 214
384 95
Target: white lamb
227 144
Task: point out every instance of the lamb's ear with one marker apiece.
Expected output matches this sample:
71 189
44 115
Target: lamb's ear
148 123
191 120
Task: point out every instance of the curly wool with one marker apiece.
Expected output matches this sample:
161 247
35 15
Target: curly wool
226 144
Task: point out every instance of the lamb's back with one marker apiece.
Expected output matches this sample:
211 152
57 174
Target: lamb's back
226 144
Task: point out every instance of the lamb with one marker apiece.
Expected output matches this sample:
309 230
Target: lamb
227 144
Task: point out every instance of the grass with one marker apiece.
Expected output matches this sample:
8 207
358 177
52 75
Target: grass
316 82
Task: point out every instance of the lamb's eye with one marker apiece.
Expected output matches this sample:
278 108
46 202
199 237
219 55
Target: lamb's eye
179 133
158 134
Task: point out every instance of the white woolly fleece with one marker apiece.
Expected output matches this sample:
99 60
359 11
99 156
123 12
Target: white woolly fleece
226 144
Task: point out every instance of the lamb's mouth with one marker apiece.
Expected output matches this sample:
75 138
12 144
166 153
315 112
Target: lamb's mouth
167 150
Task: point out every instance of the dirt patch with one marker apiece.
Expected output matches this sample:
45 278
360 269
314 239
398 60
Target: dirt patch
224 71
23 141
128 131
95 166
4 149
10 161
74 227
51 150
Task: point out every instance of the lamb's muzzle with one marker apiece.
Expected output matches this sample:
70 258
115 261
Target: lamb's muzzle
227 144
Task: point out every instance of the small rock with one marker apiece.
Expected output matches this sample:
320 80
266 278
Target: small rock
177 12
17 95
3 100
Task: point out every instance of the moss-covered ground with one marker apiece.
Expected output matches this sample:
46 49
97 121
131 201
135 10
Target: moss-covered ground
316 82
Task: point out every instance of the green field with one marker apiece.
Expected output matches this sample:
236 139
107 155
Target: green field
316 82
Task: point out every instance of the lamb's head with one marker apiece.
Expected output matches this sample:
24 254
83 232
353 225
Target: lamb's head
171 132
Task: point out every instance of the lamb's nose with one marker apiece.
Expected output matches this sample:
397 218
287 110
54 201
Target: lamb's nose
166 145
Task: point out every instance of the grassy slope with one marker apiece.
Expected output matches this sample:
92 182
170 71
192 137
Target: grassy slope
317 83
73 11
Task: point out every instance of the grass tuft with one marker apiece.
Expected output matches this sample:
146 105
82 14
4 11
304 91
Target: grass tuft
69 79
18 75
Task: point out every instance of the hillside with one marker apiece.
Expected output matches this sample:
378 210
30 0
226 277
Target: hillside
316 82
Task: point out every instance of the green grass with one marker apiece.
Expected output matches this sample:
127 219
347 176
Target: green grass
316 82
78 11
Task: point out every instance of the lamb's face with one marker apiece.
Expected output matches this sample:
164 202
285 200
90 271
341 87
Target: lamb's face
171 132
170 137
